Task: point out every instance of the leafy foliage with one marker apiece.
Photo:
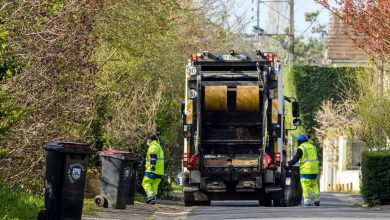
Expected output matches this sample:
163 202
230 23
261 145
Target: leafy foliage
372 108
337 119
142 79
52 41
376 177
368 20
9 113
309 51
103 72
312 85
9 67
8 64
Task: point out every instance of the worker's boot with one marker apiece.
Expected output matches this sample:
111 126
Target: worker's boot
317 203
151 199
307 203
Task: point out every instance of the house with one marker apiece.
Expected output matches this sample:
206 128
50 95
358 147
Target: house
340 169
341 50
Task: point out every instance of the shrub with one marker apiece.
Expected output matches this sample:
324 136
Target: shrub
376 177
312 85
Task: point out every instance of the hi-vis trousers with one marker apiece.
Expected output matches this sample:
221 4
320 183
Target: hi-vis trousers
150 186
310 187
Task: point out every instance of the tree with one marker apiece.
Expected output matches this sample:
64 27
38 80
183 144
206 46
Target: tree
140 82
103 72
368 21
52 41
312 50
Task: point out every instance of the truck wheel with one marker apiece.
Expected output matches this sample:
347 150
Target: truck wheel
282 203
189 199
298 200
265 202
43 215
203 203
277 202
100 201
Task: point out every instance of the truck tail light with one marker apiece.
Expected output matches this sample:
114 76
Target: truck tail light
271 57
185 159
194 57
277 159
192 164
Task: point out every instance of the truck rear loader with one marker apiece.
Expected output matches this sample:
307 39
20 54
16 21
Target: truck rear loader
234 131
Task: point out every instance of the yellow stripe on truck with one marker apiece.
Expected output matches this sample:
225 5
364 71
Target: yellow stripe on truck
189 112
274 115
188 147
275 147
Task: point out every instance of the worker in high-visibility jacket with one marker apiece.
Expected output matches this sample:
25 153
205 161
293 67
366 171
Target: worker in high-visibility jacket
308 167
154 168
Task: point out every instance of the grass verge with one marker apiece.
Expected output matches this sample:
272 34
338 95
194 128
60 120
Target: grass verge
18 205
22 205
89 207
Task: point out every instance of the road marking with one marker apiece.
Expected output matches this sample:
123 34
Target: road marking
170 213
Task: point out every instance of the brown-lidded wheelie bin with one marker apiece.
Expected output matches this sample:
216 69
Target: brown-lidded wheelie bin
118 171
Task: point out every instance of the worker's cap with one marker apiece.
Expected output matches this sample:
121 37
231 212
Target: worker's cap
152 137
301 138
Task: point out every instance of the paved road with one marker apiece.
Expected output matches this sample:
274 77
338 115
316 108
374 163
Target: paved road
333 206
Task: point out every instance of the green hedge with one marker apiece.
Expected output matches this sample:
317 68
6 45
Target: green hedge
312 85
376 177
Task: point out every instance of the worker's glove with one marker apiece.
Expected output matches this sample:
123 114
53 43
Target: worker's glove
139 165
152 167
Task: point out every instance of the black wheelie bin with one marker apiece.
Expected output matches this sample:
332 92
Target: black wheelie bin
66 168
296 192
118 171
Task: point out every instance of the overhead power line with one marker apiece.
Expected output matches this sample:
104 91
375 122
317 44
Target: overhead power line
312 22
270 7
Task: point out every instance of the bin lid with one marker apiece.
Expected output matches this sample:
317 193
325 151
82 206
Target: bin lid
69 147
123 155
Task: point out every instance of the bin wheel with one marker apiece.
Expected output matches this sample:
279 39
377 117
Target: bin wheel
100 201
42 215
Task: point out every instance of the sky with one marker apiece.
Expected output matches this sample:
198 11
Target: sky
249 8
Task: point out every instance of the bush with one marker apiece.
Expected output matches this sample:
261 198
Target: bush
376 177
312 85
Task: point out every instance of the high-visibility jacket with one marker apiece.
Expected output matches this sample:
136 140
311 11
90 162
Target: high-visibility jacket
308 163
155 148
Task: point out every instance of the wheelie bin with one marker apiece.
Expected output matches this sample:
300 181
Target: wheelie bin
66 168
133 188
118 168
296 192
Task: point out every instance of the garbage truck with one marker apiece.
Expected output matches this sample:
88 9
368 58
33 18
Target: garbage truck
234 130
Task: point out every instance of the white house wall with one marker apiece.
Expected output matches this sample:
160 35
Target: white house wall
335 176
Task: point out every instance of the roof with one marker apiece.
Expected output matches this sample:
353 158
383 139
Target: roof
341 50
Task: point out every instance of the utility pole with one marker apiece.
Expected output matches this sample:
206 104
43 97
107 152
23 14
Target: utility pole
291 34
258 13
